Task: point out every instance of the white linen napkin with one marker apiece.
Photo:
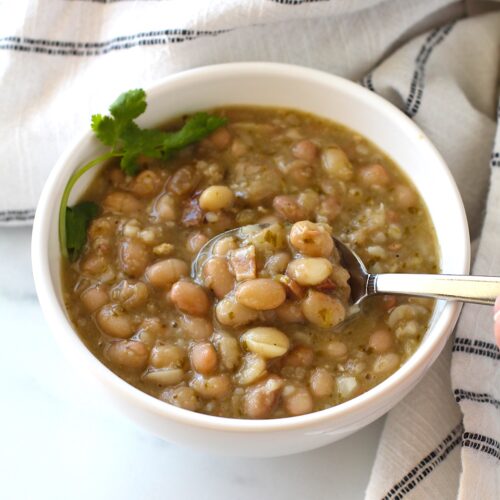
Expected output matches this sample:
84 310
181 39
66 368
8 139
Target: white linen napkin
62 60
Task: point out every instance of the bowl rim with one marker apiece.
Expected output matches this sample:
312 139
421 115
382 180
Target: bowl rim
69 339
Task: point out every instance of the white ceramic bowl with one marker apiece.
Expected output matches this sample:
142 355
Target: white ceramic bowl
280 86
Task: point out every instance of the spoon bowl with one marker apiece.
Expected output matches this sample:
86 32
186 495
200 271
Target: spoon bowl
474 289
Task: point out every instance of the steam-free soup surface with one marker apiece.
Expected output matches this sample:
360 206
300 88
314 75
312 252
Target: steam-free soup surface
260 334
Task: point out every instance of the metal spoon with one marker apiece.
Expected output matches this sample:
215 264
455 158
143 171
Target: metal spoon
475 289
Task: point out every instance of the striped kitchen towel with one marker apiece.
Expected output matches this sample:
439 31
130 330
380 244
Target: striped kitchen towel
437 60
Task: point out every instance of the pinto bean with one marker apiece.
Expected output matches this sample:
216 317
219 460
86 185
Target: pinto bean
164 273
183 397
119 202
94 297
165 208
184 181
298 401
131 354
322 382
261 399
323 310
305 150
374 175
130 295
196 328
309 271
231 313
311 239
261 294
114 321
190 298
134 257
336 164
167 355
221 138
217 276
215 198
215 387
146 185
381 341
289 208
203 358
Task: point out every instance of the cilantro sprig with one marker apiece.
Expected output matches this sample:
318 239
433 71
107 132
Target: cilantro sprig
127 141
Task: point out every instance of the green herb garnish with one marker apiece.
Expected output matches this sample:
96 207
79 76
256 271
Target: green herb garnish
77 221
127 141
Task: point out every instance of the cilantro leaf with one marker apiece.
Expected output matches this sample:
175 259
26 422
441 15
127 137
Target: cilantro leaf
128 142
196 127
104 128
129 105
77 221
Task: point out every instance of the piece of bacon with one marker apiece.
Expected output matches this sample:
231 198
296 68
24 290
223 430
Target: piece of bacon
243 263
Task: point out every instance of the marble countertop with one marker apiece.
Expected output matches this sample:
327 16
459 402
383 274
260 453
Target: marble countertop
60 440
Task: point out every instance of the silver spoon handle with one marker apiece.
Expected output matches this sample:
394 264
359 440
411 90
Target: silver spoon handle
477 289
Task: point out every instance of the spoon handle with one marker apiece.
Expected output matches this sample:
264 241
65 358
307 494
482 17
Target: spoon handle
476 289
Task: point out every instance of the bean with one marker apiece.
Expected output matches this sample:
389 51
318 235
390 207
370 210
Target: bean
184 181
167 356
261 294
298 401
309 271
130 354
289 208
203 358
290 312
330 207
265 341
221 138
130 295
276 264
164 273
374 175
190 298
196 328
146 184
228 349
253 368
336 164
406 197
300 173
232 313
261 399
311 239
336 349
300 355
164 376
381 341
165 208
116 176
322 382
323 310
94 297
114 321
119 202
386 363
196 241
224 245
215 387
134 257
94 264
217 276
215 198
347 386
182 397
305 150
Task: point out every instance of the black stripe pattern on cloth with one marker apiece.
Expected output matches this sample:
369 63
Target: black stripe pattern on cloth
426 465
477 397
477 347
367 82
481 443
495 155
414 99
69 48
17 215
297 2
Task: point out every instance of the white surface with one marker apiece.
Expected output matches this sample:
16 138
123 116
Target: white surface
284 85
61 439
